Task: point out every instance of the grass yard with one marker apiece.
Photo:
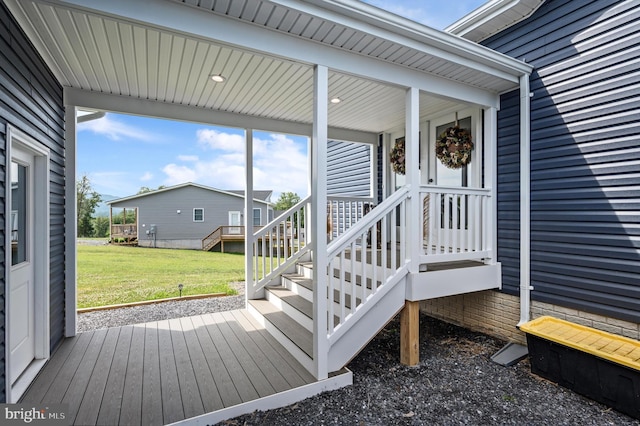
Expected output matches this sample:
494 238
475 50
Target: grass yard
110 275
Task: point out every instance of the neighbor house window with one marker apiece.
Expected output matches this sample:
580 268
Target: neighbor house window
198 215
257 217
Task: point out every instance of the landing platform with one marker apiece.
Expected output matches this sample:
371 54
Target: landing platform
193 370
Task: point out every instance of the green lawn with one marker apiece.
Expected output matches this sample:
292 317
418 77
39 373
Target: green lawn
109 275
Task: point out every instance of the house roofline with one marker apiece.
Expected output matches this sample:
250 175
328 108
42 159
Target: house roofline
184 185
491 18
408 29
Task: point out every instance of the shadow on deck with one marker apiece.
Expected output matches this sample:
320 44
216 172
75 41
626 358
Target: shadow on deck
215 366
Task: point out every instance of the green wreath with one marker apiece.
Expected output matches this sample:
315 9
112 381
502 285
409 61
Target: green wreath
453 147
397 157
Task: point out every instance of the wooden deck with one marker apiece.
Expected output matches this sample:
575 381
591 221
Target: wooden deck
163 372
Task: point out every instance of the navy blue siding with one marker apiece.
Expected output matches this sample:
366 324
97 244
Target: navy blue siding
31 100
585 153
509 191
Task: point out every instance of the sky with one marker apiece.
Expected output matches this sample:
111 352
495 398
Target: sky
121 154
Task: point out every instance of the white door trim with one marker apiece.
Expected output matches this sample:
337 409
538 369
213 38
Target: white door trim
19 140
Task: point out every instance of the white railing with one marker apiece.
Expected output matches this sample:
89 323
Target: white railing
279 245
456 223
364 263
344 211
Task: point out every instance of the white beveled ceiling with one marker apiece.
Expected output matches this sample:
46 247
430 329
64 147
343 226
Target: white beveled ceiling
94 51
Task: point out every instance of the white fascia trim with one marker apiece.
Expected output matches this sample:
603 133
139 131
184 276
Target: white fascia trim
387 25
150 108
189 21
490 11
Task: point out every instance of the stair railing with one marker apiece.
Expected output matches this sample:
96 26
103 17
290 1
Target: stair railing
345 211
366 262
212 239
456 224
279 244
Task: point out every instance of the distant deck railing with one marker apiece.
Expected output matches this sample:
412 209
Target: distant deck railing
225 233
128 231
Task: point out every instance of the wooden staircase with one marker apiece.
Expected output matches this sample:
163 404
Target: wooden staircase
286 312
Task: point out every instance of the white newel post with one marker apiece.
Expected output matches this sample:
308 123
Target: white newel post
412 161
319 219
248 217
491 181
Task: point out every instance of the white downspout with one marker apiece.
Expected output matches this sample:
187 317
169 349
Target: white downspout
525 200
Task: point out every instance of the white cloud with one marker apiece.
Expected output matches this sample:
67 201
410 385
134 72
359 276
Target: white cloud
115 130
147 176
213 139
120 184
280 164
188 158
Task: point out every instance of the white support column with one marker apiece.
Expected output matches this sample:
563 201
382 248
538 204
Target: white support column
525 200
319 219
412 162
71 225
491 178
248 216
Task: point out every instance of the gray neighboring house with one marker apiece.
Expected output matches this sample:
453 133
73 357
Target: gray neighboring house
182 216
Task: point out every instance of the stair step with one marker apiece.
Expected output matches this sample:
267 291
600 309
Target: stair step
297 307
299 284
305 269
296 333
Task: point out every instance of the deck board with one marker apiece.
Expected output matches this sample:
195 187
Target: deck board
151 393
161 372
224 383
131 408
211 398
90 406
238 376
190 394
109 412
83 374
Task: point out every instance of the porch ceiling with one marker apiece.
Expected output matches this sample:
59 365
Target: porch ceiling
165 50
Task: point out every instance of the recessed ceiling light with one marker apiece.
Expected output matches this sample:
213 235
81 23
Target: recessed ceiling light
218 78
336 100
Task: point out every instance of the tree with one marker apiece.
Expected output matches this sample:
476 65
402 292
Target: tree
145 189
286 201
101 227
88 199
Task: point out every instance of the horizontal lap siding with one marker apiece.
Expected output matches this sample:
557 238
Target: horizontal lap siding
585 152
509 191
31 101
349 169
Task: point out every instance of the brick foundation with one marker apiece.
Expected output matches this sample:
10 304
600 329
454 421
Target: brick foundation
497 314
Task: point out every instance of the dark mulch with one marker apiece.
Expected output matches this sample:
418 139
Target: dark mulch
455 383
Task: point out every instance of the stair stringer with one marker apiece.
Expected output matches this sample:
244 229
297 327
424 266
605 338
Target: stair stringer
347 344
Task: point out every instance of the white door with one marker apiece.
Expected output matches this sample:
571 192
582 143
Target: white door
21 286
235 221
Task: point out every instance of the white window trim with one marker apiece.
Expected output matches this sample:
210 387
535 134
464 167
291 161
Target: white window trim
194 214
253 217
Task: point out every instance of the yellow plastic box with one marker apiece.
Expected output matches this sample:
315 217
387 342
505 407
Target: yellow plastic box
597 364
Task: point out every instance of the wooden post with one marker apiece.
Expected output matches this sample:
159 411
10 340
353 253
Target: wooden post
409 332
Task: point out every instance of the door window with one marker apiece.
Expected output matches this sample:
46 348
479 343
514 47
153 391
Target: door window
452 177
19 205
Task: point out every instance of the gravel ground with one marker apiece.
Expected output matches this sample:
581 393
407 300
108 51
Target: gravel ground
455 383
